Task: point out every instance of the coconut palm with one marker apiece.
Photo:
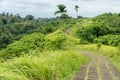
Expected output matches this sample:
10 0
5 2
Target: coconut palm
61 10
76 9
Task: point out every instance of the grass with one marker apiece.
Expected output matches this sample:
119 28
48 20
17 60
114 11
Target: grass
107 51
81 24
51 65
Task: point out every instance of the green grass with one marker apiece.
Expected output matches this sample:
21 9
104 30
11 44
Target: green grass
51 65
80 24
109 52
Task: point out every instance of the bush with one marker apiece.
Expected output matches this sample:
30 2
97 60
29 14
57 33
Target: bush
55 41
99 45
94 30
24 45
108 40
71 42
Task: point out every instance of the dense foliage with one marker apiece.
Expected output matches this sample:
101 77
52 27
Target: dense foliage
111 19
94 30
113 40
55 41
14 27
23 46
37 49
105 25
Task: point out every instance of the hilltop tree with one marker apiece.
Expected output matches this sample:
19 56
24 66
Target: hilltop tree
29 17
61 10
76 9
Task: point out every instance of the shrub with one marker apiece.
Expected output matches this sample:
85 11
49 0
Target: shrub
108 40
99 45
71 42
24 45
94 30
55 40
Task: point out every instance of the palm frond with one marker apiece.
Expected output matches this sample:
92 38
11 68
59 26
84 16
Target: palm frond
56 12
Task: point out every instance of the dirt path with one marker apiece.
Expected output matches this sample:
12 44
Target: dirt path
97 69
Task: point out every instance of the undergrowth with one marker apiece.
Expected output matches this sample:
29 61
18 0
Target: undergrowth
49 65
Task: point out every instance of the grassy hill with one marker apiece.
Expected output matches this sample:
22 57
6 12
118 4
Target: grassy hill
50 50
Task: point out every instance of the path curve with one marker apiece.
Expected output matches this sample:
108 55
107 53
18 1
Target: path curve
98 68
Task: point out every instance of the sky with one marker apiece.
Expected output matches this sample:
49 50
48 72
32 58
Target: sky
46 8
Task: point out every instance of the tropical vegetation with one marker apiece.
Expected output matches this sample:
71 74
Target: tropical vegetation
49 49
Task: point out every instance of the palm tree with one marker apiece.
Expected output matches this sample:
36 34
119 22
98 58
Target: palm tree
76 9
61 10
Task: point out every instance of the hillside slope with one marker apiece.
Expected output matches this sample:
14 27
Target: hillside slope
51 51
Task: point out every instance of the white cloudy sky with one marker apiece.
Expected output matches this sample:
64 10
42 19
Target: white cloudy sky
46 8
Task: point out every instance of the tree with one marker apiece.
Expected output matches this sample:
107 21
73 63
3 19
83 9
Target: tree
65 16
76 9
29 17
3 14
4 20
61 10
94 30
7 14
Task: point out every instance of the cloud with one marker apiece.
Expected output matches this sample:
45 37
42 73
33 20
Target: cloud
46 8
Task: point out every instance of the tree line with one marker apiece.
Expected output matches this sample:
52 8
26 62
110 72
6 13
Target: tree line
13 27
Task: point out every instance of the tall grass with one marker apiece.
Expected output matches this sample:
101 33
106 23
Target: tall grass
54 65
109 52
